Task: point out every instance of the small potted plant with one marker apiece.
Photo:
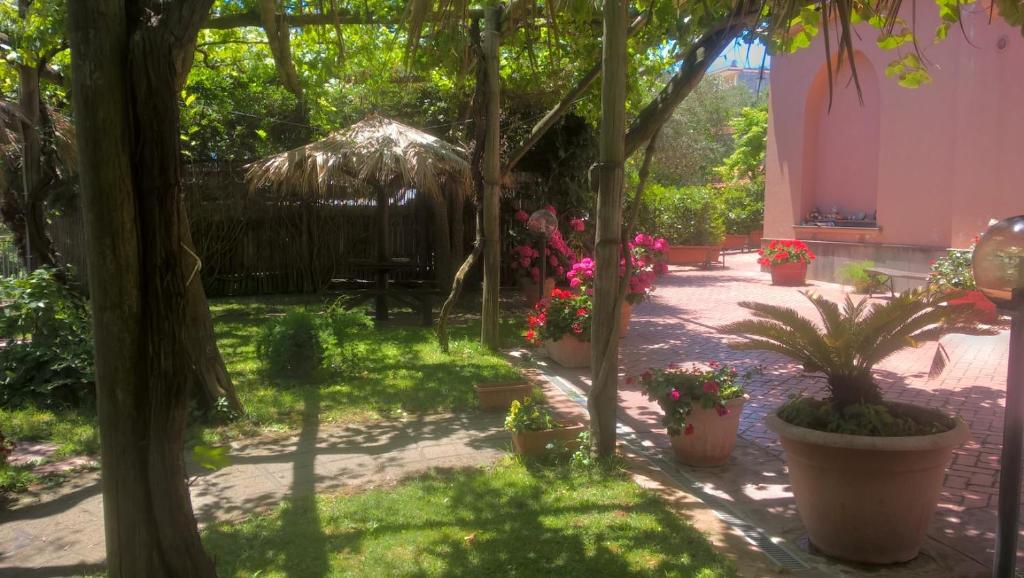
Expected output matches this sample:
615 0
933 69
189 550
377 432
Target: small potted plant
562 323
535 431
702 410
498 396
866 473
787 260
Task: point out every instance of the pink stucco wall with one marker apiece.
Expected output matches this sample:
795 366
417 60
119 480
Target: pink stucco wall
936 162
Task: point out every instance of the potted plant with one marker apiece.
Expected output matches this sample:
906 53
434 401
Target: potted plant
648 260
702 410
692 222
743 204
866 473
535 430
526 259
498 396
562 323
787 260
953 274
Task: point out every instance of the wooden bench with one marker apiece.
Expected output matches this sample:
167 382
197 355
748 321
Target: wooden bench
891 274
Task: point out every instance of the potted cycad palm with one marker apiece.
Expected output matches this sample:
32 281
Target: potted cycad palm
866 473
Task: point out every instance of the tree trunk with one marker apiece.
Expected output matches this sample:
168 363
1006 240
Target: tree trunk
492 183
127 63
28 215
602 400
214 381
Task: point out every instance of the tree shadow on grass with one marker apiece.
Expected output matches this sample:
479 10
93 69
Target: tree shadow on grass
502 522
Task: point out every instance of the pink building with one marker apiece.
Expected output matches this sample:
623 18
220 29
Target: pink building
910 171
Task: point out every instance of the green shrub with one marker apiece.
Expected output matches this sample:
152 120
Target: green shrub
855 273
743 207
954 271
47 359
684 215
291 346
340 330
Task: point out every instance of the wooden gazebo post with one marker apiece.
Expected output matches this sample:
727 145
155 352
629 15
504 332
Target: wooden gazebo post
489 321
383 253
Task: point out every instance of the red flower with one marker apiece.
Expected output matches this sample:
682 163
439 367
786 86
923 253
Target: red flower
581 312
688 430
577 328
531 335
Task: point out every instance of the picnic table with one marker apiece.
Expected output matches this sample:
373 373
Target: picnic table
415 293
891 274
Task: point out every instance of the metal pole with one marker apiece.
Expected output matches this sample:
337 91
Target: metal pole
1010 461
543 266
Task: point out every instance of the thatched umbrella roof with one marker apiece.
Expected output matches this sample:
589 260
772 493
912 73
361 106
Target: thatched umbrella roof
376 151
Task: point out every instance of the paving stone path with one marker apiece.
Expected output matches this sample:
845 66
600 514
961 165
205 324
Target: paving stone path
60 532
679 325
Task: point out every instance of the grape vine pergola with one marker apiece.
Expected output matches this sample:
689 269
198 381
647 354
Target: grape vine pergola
130 59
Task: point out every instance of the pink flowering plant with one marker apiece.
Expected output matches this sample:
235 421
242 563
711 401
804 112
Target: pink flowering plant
679 390
563 313
648 256
526 257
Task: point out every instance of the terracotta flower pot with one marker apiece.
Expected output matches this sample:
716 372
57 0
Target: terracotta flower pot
702 255
735 242
865 498
529 289
535 443
789 274
713 437
625 314
755 237
569 351
498 396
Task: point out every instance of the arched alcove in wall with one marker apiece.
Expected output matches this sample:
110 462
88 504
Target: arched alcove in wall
841 144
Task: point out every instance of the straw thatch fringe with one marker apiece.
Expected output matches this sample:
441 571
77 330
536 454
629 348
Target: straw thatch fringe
375 152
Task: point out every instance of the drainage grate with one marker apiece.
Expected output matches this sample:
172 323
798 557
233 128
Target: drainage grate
776 552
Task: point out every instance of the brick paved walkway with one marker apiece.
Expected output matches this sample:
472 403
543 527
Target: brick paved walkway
679 326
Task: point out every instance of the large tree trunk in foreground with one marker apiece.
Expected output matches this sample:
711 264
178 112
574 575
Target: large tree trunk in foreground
602 400
127 63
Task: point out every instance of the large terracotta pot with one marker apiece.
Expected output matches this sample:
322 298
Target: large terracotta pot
735 242
535 443
498 396
569 351
713 437
864 498
625 314
789 274
529 289
702 255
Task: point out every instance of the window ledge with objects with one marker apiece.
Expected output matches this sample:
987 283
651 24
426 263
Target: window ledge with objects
838 226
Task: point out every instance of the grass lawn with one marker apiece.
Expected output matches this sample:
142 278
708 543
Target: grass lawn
507 520
381 373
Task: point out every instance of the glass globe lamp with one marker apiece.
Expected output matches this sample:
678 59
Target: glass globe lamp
998 264
542 222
